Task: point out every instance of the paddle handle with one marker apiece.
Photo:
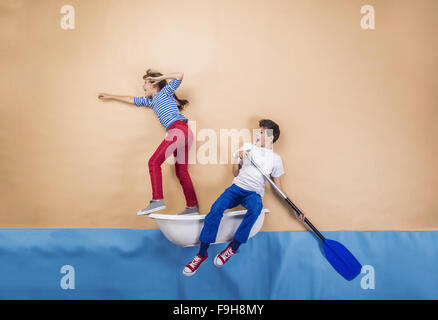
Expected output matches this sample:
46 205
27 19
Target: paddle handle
305 219
286 198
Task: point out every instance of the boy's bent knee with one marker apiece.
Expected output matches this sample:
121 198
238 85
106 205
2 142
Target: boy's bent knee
255 205
218 207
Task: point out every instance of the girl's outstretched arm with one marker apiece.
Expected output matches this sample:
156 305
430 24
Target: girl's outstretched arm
126 99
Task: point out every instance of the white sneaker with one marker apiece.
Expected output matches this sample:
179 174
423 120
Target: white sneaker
191 268
222 257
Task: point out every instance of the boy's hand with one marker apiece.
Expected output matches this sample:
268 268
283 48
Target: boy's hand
242 154
104 96
301 217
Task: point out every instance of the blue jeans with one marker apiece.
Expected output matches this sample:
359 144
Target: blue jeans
232 197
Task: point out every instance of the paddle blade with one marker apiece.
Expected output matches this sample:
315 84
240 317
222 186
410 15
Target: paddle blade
341 259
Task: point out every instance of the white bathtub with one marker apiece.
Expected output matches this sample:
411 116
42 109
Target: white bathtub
185 230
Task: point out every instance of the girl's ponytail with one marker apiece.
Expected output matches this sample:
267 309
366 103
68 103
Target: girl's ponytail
180 102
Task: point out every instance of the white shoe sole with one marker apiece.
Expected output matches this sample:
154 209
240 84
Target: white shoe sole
189 274
142 213
217 265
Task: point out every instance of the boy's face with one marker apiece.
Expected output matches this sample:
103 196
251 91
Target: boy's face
262 138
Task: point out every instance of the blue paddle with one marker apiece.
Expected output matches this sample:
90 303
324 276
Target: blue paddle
339 257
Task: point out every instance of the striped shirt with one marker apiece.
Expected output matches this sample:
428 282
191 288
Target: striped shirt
163 104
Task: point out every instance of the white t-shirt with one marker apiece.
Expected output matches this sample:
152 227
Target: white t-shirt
249 177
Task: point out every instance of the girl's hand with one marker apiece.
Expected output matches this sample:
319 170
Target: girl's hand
154 80
104 96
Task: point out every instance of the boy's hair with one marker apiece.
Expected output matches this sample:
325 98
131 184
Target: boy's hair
269 124
149 73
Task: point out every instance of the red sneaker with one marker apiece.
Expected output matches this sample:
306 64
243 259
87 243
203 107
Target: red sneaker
224 256
191 267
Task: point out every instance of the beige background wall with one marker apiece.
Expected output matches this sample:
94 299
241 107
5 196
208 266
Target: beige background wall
357 109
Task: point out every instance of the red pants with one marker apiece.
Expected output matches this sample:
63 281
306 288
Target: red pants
177 142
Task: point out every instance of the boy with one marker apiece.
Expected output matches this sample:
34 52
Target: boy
247 190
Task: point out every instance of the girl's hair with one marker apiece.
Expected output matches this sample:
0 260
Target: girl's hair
180 102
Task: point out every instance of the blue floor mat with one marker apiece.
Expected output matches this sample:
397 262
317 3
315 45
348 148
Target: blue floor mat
143 264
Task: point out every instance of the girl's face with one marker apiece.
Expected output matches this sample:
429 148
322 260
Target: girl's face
149 88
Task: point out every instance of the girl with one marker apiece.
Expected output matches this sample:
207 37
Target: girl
160 97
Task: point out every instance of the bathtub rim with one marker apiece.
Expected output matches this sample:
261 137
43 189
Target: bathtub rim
176 217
